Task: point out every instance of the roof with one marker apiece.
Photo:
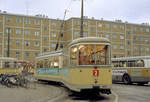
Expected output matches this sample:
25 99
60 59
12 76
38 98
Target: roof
90 40
52 53
130 58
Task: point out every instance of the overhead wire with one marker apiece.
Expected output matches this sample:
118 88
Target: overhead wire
62 24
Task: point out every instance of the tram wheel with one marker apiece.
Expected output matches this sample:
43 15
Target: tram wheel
126 79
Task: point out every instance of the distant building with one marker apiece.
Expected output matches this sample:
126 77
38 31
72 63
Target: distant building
32 35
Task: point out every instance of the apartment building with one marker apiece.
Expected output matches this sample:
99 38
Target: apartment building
32 35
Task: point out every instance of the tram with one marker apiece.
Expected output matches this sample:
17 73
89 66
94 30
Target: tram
85 64
131 69
9 66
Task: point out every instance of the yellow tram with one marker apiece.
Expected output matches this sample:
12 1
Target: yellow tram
85 64
9 66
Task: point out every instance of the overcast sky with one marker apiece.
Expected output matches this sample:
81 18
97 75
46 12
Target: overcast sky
134 11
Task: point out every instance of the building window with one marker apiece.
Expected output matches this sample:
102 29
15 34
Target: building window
53 34
107 26
128 42
100 25
76 22
121 27
147 49
18 31
8 31
115 56
147 29
18 20
37 22
61 35
141 29
46 28
135 48
147 39
107 36
53 45
54 24
128 52
27 54
114 46
8 19
134 28
27 32
134 37
36 54
7 42
45 39
114 36
0 24
99 35
85 23
141 49
76 34
114 26
61 46
27 44
27 21
45 49
17 43
92 29
121 47
121 37
128 32
84 34
141 38
36 43
36 33
17 54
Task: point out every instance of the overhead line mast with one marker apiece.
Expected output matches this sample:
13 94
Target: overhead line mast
82 16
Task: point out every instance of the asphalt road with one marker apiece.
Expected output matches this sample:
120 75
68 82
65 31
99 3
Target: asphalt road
132 93
46 92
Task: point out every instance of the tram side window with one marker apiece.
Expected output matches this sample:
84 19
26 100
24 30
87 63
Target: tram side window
86 55
73 55
7 64
140 63
40 64
101 55
46 63
56 62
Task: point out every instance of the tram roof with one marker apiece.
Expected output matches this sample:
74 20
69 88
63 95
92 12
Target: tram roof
52 53
90 40
130 58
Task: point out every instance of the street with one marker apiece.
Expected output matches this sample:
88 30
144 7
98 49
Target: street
50 92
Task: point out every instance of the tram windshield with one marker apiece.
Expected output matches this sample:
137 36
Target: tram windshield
90 54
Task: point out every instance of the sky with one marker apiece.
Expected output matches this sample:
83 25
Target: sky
133 11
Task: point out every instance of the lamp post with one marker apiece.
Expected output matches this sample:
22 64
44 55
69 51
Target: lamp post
8 42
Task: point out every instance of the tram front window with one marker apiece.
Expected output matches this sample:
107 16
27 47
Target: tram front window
92 54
